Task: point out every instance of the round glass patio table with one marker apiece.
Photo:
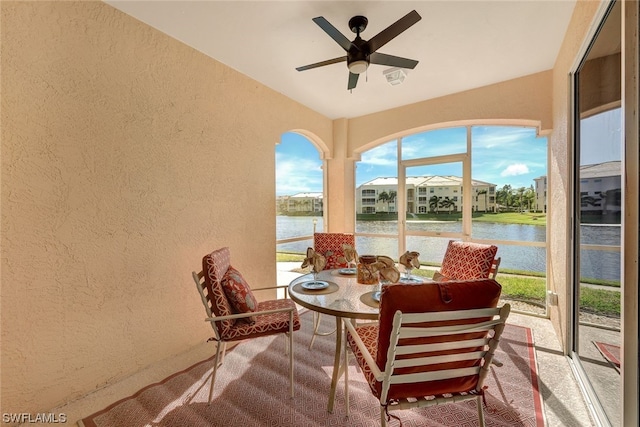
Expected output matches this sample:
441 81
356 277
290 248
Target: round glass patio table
344 298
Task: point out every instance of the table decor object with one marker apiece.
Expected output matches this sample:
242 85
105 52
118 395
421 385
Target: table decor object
410 261
317 262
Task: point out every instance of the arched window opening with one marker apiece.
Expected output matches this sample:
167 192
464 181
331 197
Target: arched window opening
299 195
485 184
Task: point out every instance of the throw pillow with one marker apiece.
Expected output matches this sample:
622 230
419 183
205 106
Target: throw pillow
239 294
467 261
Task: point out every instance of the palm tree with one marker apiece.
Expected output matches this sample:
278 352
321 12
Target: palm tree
446 203
392 197
433 203
504 196
529 197
384 197
520 193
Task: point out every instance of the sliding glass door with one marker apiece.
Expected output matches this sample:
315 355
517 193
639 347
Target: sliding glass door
598 220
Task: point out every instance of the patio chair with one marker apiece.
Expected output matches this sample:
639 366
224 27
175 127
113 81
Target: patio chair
467 261
421 355
330 246
235 314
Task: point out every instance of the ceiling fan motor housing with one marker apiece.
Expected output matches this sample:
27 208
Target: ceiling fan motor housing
358 24
358 56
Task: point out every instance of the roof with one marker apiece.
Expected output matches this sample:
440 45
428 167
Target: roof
601 170
307 196
424 181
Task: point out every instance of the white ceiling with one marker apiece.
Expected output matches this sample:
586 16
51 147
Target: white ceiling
460 44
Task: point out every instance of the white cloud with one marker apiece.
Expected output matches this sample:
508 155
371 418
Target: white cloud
489 138
383 155
515 169
297 175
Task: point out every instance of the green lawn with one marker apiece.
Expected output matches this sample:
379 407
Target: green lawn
528 218
529 288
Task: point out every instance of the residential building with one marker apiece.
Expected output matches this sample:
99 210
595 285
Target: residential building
305 202
541 194
424 194
600 189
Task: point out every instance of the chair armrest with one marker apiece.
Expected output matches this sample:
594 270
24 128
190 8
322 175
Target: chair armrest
285 287
248 314
363 349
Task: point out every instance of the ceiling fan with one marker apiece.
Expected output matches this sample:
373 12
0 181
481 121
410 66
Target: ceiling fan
361 53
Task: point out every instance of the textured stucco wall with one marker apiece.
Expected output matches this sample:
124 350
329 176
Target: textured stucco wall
125 157
525 100
559 173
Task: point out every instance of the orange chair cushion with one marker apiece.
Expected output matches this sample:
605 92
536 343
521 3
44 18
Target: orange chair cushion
214 266
431 297
329 245
265 324
238 293
467 261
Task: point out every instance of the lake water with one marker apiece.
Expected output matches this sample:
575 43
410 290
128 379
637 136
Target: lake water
595 264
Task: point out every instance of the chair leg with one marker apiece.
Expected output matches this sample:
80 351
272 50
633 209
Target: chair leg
215 367
291 353
480 410
316 326
383 419
224 352
286 343
346 375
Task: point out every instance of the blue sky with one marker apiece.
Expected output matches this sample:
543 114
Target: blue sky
501 155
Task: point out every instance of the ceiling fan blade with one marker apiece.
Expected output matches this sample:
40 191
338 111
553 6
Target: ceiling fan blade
322 64
392 31
393 61
353 80
333 32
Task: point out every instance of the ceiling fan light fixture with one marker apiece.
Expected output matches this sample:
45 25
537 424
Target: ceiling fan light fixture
394 76
358 67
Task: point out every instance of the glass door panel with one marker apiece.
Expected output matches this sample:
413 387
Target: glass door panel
598 221
434 200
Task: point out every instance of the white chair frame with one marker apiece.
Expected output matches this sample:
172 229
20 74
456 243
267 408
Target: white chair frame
402 328
221 346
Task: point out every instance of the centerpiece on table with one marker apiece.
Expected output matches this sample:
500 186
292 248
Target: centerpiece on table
372 269
350 258
410 261
317 262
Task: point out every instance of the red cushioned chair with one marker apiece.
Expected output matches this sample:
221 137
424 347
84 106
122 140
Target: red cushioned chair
432 345
266 318
329 245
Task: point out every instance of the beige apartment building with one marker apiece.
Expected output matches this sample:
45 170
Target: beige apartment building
600 189
424 194
301 202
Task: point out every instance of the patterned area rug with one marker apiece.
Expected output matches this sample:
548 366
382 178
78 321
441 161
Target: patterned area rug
252 390
610 352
